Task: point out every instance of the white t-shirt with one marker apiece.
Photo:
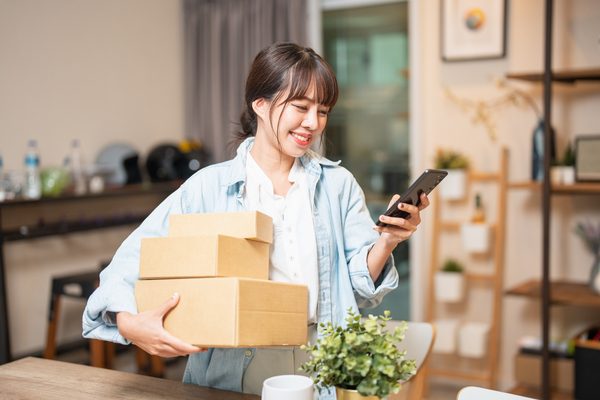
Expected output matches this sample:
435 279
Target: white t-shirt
293 255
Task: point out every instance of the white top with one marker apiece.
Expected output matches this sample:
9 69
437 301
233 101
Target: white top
293 255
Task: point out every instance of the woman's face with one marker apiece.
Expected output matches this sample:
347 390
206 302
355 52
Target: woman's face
298 123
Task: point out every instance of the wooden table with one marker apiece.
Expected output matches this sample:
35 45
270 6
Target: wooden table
36 378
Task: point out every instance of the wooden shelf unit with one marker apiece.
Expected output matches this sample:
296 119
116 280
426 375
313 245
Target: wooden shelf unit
565 76
576 188
493 279
561 293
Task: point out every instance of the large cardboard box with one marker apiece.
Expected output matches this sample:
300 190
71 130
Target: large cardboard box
246 224
230 312
203 256
528 370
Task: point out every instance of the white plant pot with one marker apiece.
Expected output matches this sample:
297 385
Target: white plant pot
454 186
567 175
476 238
473 339
449 286
445 337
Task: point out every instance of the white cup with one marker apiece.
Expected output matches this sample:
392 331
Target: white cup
288 387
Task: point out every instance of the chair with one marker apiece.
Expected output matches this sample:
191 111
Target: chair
478 393
418 341
81 286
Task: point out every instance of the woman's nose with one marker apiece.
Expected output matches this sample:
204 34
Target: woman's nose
311 121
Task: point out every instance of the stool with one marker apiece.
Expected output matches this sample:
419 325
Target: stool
82 286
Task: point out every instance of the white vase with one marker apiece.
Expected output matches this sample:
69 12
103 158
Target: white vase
449 286
472 339
445 338
454 186
475 237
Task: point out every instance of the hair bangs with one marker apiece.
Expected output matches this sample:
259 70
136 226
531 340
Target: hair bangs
307 73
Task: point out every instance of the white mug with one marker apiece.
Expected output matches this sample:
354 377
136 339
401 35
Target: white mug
288 387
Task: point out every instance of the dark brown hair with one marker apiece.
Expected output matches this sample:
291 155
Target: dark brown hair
281 66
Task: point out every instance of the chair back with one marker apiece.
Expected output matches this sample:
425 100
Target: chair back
418 342
478 393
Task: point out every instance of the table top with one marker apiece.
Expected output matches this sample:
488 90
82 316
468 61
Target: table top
36 378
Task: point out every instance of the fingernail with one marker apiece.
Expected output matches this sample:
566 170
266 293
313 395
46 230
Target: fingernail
381 217
175 295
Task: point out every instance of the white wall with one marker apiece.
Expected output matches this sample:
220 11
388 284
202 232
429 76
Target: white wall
443 124
100 71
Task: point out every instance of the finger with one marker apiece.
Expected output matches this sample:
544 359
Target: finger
400 223
399 234
409 208
424 201
393 200
168 305
180 346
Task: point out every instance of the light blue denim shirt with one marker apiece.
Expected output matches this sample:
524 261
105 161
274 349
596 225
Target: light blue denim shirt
344 236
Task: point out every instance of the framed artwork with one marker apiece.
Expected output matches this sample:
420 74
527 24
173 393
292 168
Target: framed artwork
587 161
473 29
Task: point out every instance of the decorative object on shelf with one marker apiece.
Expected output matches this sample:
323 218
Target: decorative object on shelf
537 151
472 339
587 162
360 359
590 234
445 341
454 186
475 234
55 180
473 31
563 173
450 282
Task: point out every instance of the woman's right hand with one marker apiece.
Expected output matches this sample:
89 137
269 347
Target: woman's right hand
146 331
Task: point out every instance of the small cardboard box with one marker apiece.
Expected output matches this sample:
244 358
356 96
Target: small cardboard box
230 312
528 371
203 256
246 224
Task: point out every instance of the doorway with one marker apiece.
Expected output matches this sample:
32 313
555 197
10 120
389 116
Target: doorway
367 45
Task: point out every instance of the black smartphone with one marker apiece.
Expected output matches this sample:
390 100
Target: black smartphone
425 183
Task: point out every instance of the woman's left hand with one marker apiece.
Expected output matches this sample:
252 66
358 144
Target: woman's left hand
400 229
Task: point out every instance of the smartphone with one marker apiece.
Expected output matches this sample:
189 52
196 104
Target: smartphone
425 183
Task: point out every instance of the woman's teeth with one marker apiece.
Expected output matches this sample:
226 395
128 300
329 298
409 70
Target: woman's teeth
300 138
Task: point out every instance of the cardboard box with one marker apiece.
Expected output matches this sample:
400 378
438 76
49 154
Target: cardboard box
203 256
230 312
247 225
528 370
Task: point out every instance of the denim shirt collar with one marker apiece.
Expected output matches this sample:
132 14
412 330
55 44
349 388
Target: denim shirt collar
311 161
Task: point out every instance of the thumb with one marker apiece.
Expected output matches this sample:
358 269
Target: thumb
168 305
393 200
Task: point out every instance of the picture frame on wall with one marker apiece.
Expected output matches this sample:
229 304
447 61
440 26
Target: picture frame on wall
473 29
587 162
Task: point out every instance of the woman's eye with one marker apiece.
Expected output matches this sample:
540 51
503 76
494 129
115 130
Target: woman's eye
324 112
301 107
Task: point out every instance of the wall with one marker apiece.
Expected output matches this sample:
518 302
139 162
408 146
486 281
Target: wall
442 124
99 71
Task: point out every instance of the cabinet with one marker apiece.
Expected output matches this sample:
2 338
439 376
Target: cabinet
490 280
34 219
566 293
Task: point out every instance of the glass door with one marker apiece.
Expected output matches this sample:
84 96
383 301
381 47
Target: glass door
368 129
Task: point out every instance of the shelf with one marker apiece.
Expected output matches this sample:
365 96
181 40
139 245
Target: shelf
561 293
576 188
535 393
565 76
483 176
129 190
453 373
68 227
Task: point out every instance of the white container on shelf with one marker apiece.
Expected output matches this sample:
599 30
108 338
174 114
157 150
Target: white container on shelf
472 339
445 336
454 186
449 286
475 237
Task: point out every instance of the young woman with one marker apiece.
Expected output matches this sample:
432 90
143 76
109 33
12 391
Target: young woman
323 234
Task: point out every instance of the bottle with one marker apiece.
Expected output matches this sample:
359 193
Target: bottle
479 213
537 151
33 186
75 163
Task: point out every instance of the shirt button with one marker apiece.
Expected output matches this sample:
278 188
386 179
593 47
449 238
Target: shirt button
248 353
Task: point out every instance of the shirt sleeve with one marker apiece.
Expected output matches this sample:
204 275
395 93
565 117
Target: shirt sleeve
117 281
359 238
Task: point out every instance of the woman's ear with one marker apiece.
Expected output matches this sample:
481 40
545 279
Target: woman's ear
261 107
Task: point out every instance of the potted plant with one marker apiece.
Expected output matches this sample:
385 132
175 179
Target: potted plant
450 282
455 184
361 360
562 171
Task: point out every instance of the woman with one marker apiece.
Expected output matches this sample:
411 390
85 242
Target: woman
323 234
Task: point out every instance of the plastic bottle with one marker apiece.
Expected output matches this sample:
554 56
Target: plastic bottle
479 213
33 187
80 186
